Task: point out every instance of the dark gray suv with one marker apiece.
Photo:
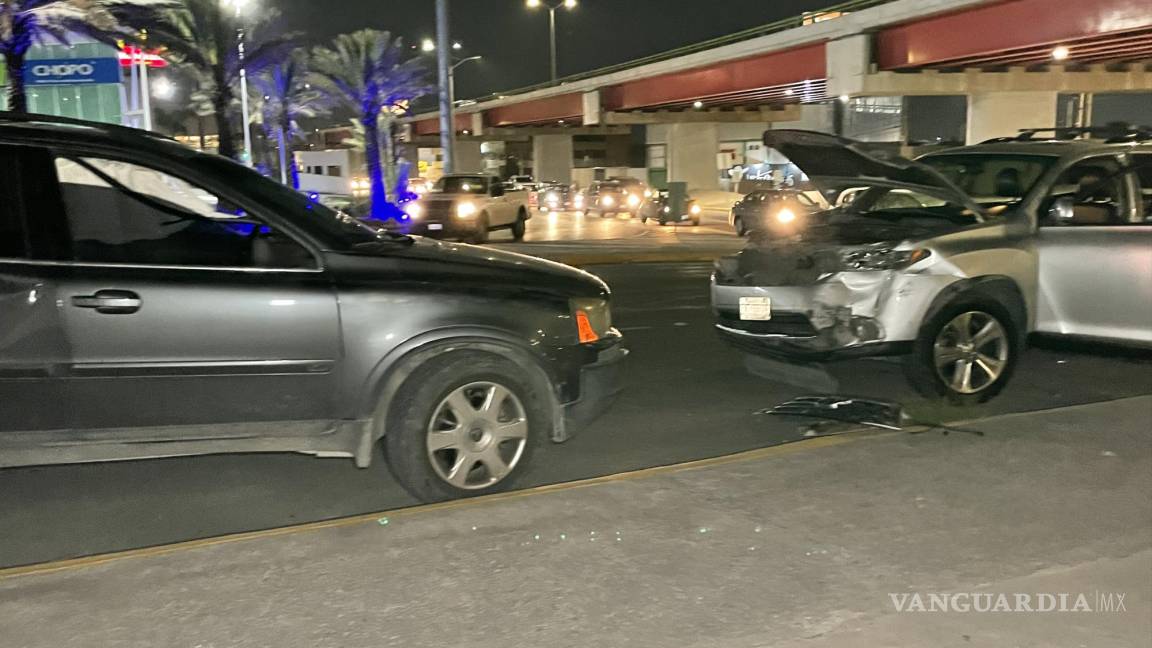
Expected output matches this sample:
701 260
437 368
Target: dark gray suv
156 301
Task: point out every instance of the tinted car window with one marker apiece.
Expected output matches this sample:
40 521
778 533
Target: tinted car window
13 244
476 185
1143 166
121 212
992 178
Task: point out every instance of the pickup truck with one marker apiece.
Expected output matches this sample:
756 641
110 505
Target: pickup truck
468 207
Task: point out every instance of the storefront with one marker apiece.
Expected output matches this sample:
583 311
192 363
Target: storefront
82 80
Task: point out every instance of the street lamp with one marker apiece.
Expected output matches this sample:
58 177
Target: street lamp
239 6
552 7
452 76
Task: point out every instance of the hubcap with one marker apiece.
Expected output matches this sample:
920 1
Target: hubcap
477 435
971 352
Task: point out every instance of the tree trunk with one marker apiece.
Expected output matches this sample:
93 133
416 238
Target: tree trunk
283 148
222 107
17 94
379 195
287 155
389 151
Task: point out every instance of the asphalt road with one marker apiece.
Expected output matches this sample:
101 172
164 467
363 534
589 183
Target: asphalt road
688 397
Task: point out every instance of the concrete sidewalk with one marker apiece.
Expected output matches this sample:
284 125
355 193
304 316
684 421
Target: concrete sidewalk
789 546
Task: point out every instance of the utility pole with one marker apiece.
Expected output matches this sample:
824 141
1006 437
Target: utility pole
444 67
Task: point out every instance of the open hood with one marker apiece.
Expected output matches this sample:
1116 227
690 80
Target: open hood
824 156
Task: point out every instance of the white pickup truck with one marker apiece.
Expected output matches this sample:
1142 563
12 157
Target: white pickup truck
468 207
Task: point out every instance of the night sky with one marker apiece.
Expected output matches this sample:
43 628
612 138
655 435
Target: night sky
514 39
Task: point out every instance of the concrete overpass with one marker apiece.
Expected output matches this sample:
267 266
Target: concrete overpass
866 68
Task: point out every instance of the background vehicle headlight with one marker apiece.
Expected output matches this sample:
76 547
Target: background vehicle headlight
695 210
882 258
633 200
466 209
785 216
593 318
607 201
414 210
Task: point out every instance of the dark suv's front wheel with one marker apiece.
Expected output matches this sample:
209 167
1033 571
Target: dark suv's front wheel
966 352
464 424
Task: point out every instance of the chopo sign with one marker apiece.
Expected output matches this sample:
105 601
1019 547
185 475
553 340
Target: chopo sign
72 71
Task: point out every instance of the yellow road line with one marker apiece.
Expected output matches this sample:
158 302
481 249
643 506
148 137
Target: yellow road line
148 552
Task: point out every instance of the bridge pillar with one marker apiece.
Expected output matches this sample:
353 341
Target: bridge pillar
468 156
1003 114
692 150
552 157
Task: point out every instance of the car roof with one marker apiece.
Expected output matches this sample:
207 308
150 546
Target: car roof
48 129
1055 148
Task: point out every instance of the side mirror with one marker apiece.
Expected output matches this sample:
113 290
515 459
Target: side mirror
497 190
1062 211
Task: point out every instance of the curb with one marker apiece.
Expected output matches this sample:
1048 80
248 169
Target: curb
384 517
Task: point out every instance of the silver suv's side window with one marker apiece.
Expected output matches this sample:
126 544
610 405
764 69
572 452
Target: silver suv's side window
1142 164
1097 190
123 212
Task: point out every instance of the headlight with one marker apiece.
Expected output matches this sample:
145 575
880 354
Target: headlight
593 318
551 197
466 209
578 201
785 216
647 193
633 200
882 258
695 210
414 210
607 201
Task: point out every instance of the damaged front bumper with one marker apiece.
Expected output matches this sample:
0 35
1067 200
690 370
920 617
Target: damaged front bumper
829 316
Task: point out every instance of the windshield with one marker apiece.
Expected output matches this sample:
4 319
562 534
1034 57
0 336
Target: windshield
992 178
461 184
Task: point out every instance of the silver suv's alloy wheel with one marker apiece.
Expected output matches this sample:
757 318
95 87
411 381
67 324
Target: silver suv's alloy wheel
477 435
971 352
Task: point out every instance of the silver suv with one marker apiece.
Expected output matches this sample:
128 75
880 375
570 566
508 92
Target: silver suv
987 244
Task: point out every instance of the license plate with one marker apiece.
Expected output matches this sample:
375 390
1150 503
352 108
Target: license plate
435 226
756 308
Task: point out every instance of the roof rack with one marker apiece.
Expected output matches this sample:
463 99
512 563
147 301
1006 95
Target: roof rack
1112 134
8 117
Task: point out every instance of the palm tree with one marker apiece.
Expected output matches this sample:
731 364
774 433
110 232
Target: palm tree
205 36
286 95
368 72
24 23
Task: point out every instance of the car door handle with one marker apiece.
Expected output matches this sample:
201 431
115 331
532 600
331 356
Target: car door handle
110 302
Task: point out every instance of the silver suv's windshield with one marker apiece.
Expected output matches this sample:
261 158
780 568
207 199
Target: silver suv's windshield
992 178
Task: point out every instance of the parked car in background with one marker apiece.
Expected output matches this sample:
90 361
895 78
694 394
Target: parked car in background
769 210
616 196
554 197
659 208
983 245
419 186
468 207
521 183
162 302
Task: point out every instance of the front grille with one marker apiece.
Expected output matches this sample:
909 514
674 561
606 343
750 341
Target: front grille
438 210
790 324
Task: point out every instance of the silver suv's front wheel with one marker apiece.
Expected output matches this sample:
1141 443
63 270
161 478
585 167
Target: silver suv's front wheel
966 351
